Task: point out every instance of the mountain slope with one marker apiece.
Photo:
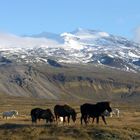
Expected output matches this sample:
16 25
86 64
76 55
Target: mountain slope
69 82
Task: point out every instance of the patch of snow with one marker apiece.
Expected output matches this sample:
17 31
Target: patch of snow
81 46
133 55
110 55
103 34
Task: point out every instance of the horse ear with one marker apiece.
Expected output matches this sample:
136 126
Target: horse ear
109 102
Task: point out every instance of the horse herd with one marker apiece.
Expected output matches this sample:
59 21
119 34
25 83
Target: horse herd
63 113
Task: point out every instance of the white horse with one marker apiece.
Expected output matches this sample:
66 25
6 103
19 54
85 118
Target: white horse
10 114
115 112
61 120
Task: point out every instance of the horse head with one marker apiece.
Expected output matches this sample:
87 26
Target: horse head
51 116
14 112
73 114
108 108
102 106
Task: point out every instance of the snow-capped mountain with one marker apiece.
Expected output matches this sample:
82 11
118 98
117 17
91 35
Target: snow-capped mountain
79 46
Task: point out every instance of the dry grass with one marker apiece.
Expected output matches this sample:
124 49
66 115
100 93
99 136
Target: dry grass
126 127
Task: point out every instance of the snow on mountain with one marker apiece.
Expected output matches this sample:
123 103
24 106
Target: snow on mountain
79 46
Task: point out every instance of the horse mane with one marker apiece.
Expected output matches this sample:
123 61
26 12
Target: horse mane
103 102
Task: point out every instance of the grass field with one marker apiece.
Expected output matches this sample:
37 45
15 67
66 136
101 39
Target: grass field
126 127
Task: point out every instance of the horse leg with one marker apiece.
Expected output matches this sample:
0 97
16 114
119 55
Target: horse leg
82 119
88 119
103 118
34 119
93 120
111 114
34 122
46 120
68 120
64 120
118 114
97 120
85 119
56 117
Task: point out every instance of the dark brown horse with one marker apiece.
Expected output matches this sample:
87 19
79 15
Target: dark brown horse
38 113
94 111
64 111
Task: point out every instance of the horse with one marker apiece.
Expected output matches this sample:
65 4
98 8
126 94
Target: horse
38 113
105 114
10 114
64 111
115 112
94 111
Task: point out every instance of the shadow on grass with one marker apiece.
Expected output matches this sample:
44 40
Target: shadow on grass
18 126
53 131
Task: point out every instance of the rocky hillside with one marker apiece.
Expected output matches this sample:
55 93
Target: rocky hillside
62 81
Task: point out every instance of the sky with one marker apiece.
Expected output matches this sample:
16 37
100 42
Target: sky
26 17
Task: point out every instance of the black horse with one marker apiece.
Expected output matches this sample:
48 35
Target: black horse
38 113
94 111
64 111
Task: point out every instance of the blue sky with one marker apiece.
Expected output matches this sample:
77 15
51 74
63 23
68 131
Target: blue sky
119 17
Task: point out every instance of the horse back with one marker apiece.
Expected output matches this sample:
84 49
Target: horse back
36 111
63 110
93 109
87 109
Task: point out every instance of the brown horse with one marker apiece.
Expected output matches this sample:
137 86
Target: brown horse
64 111
38 113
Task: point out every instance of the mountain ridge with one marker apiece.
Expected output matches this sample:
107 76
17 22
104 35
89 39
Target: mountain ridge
79 46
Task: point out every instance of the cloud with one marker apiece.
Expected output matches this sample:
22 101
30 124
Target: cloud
12 41
137 34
